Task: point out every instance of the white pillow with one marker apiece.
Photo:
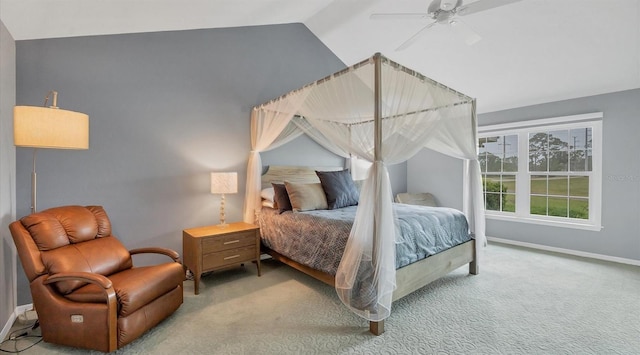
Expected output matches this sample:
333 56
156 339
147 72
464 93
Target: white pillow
267 194
267 203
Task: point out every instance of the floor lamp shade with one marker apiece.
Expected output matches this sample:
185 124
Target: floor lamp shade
50 128
46 127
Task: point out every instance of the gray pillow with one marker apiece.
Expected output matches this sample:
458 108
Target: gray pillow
281 197
339 188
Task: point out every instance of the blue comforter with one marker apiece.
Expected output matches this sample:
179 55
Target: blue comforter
317 238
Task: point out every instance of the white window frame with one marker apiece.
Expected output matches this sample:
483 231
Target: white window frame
522 129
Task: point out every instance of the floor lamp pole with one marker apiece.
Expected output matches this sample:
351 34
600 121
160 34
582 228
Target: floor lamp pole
34 184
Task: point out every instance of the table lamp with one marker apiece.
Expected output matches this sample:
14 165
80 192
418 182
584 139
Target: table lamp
224 183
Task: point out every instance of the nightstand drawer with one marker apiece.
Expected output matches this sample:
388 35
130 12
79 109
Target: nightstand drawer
228 257
230 241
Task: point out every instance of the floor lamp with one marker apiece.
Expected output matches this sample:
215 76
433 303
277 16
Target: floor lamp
50 128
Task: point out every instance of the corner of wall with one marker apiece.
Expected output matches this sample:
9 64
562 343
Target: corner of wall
8 286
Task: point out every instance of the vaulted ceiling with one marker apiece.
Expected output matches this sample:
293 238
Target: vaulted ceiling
532 51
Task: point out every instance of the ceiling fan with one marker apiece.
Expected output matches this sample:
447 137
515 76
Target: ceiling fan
445 12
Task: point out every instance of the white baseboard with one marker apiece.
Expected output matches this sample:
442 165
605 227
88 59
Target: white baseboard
7 326
614 259
12 318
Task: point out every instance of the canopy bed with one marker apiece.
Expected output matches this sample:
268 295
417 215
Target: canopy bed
382 112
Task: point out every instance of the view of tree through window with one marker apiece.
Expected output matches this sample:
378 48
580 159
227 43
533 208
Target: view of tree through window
559 162
499 162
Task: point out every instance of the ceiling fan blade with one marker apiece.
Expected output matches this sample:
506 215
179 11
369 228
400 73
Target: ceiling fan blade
398 16
482 5
413 38
471 37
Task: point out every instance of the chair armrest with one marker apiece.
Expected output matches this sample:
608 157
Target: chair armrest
97 279
168 252
112 300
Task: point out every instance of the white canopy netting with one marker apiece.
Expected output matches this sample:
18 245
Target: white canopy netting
385 113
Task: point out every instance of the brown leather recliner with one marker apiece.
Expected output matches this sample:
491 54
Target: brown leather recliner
85 289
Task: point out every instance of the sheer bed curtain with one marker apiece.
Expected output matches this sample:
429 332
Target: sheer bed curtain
365 278
338 113
270 128
458 138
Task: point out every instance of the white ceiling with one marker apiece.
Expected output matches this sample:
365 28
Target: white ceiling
532 51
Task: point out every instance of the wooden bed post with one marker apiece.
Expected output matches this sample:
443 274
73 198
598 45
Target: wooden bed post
474 268
377 144
377 113
376 328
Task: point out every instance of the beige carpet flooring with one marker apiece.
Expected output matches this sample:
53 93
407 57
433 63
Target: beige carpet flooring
522 302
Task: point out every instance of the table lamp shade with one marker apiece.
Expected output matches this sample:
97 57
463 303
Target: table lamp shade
224 183
46 127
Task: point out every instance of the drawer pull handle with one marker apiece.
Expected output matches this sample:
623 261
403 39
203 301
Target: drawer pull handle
232 257
232 241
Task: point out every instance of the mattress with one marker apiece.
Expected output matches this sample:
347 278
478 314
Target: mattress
317 238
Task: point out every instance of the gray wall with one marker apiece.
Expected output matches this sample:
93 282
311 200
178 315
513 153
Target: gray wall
430 171
7 173
398 177
620 236
165 110
298 151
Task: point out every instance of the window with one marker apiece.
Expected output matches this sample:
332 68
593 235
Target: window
499 164
544 171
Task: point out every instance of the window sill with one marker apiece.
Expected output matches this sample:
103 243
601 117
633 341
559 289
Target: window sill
544 222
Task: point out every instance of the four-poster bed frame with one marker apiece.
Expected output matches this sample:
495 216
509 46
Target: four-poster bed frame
414 276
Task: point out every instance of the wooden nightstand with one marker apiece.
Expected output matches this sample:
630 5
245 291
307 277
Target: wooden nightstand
214 247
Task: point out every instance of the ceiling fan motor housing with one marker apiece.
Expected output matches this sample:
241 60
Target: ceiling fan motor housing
443 10
448 5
